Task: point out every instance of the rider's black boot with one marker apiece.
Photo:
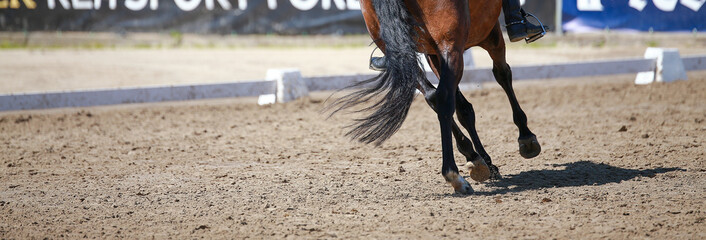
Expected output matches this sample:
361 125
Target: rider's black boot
517 26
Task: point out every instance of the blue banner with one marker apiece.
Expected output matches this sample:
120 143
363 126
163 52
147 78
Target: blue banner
634 15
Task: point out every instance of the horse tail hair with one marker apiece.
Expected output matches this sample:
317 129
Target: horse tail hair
395 87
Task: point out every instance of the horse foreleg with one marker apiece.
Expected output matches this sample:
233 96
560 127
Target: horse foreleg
528 144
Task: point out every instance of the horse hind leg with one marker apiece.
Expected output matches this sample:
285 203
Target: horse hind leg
449 170
467 117
442 101
528 145
477 164
445 104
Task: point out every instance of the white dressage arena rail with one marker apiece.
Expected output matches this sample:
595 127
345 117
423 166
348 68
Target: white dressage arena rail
281 84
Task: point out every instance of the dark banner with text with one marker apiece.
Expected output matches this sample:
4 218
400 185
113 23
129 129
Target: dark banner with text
201 16
193 16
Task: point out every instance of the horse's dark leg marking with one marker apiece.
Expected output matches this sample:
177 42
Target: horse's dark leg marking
444 99
494 44
464 145
467 119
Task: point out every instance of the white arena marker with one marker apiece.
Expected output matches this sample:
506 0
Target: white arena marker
290 84
266 99
669 66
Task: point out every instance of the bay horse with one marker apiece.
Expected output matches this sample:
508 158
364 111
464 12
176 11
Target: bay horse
441 30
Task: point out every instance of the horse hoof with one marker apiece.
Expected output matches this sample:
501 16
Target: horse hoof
495 173
479 171
465 189
529 147
459 184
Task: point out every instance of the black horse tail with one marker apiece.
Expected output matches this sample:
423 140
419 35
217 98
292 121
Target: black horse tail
395 87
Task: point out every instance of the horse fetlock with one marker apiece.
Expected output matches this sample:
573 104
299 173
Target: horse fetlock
478 169
459 184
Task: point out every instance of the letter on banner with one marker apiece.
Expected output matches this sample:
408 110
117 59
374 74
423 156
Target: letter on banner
30 4
82 4
186 5
589 5
272 4
135 5
665 5
242 4
111 4
340 4
638 4
693 4
64 3
224 4
304 5
353 4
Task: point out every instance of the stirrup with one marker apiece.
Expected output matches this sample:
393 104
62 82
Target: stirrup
535 37
372 66
531 39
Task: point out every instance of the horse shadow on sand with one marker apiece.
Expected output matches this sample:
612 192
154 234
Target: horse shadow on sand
581 173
